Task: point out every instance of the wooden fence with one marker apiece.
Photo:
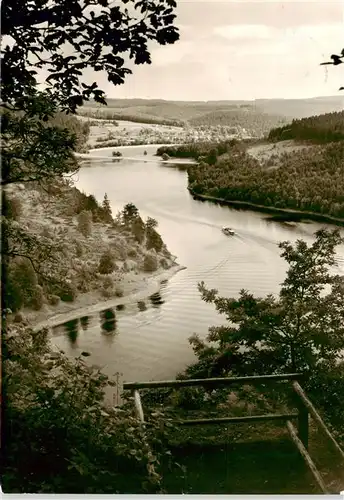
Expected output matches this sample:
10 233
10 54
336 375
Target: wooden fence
299 434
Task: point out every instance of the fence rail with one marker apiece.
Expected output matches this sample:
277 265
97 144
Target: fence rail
210 382
237 420
317 418
309 462
306 409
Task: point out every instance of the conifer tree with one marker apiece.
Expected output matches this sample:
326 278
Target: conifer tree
107 208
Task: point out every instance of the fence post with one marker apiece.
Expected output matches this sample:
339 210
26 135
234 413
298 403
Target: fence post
303 423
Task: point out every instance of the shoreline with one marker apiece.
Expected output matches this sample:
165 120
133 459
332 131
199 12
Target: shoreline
295 215
141 289
173 161
91 150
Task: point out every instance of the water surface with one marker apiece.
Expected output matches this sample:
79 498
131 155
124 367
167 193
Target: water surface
149 340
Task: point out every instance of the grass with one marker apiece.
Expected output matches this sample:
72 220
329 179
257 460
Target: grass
248 459
243 458
240 463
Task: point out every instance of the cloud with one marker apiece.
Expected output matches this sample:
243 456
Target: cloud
245 31
242 50
171 54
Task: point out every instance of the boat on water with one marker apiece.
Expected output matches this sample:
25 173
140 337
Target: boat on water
228 231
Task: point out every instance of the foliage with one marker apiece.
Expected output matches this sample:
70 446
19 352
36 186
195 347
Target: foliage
80 129
45 257
319 129
116 153
107 263
96 36
21 281
129 213
107 208
153 240
37 299
54 300
85 223
138 229
37 143
53 406
300 330
108 282
326 388
308 180
66 291
32 150
83 202
151 223
335 61
11 206
150 262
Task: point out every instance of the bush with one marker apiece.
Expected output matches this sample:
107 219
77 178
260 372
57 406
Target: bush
68 292
46 232
53 300
84 278
119 291
11 207
20 281
48 394
138 230
150 262
18 318
85 223
132 252
164 263
79 250
107 264
119 250
107 293
108 282
37 298
154 240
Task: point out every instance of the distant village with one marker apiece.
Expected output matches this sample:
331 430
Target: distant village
106 133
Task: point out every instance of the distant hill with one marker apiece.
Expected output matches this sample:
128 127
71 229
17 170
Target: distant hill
251 119
301 108
243 113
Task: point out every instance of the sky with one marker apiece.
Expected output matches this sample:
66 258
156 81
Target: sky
243 50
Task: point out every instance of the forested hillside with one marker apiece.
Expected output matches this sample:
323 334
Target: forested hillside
319 129
136 116
252 120
202 151
306 180
258 116
75 126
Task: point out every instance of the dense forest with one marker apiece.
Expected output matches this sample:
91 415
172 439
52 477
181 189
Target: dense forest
307 181
253 121
319 129
202 151
108 114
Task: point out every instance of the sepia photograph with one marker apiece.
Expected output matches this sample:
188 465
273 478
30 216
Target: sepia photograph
172 247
